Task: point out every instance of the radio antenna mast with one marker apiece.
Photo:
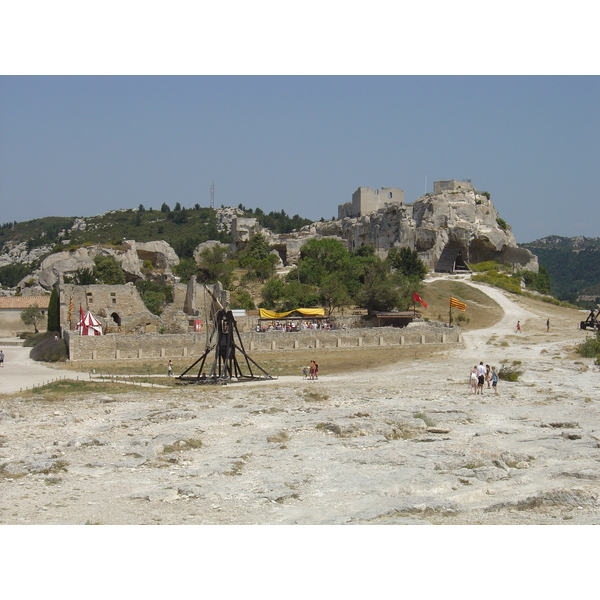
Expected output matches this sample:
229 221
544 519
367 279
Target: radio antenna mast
212 194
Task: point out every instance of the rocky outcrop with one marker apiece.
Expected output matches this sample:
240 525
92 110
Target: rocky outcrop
159 253
131 257
461 220
207 246
18 253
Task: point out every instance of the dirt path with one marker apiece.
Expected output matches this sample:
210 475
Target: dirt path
20 372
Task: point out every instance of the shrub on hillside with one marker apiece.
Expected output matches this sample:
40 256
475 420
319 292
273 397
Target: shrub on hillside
510 372
52 349
501 280
488 265
590 348
36 338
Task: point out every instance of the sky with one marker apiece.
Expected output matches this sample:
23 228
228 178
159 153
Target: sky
82 145
86 129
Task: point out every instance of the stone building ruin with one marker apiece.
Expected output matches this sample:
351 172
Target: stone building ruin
452 185
366 200
455 220
120 309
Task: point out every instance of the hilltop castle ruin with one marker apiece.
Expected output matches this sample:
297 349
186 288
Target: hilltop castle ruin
456 220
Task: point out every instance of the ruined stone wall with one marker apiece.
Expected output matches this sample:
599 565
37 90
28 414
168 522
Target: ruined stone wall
366 200
451 185
116 346
102 300
157 346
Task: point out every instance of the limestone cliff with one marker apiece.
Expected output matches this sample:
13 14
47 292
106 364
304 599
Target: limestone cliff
131 258
451 220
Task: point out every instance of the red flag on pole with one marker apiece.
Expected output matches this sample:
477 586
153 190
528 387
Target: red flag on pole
417 298
81 312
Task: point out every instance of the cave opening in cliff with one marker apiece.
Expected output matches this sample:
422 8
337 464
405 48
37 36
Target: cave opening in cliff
482 251
452 260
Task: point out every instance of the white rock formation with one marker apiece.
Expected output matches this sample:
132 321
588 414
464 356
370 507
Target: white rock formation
464 220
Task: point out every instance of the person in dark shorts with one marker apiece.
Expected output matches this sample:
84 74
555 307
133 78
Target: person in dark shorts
494 380
480 377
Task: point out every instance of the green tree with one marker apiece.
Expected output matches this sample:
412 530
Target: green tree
83 276
215 265
256 249
407 262
280 295
539 282
154 295
334 294
272 293
265 267
321 257
32 315
108 270
53 311
185 269
241 298
11 274
380 296
165 208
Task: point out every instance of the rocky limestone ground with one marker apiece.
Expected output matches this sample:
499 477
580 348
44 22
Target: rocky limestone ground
403 444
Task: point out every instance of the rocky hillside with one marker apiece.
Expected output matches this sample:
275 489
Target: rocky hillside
454 220
573 265
62 245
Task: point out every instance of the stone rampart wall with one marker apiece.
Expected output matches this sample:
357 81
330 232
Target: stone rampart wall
160 346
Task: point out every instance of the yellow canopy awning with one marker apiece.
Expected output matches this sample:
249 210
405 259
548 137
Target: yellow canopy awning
308 312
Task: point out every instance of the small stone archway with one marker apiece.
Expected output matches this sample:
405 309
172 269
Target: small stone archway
116 318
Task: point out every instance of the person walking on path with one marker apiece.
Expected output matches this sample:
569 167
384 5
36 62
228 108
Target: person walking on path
170 368
1 358
547 325
518 329
488 375
474 380
495 380
480 377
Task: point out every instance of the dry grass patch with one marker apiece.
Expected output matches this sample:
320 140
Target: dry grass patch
281 437
313 396
481 311
182 445
66 388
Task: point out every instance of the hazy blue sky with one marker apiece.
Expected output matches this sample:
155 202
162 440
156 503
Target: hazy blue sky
84 145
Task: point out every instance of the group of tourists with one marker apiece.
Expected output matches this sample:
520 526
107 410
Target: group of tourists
294 326
312 371
482 374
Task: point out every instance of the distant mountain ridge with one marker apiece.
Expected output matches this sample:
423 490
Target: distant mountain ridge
573 264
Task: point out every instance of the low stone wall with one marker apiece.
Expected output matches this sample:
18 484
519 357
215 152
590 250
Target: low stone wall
159 346
115 346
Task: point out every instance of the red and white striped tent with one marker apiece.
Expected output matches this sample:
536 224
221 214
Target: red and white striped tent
89 325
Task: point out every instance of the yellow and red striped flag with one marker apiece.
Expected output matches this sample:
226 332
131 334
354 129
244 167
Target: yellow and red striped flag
70 309
454 303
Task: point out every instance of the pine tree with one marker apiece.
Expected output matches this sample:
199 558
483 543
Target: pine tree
53 311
